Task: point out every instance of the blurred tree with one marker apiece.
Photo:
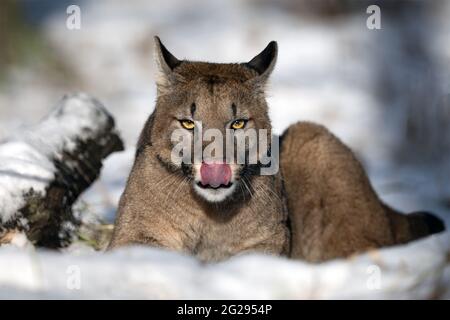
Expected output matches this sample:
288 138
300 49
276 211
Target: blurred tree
10 27
409 79
22 44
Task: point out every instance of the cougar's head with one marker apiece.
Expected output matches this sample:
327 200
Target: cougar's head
199 106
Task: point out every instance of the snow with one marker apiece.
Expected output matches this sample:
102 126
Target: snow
415 271
18 175
77 116
328 71
26 157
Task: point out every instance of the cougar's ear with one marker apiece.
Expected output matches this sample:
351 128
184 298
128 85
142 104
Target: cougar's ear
166 62
264 62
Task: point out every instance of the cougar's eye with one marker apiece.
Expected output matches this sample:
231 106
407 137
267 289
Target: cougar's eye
187 124
238 124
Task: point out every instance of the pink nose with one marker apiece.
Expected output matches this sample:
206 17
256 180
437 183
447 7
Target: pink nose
215 174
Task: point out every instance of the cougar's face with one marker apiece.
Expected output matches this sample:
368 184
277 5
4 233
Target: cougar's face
202 108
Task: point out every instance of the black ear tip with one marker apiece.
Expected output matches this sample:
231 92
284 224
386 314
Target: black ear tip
263 61
168 58
157 40
273 48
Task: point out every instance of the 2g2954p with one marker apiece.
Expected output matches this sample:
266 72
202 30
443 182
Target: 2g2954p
246 309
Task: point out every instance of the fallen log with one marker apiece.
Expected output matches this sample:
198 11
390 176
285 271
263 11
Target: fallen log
45 168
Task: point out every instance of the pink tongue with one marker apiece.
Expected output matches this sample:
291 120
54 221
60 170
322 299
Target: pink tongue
215 174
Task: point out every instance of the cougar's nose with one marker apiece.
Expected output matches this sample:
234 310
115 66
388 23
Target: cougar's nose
215 174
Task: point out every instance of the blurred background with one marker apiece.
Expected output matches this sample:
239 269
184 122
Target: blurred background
383 92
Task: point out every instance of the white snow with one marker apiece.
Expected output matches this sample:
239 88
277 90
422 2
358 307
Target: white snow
326 72
416 271
19 175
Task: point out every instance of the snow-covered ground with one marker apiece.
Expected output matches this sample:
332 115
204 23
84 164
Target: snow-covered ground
416 271
328 71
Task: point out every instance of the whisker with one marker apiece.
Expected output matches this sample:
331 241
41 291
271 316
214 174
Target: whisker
245 184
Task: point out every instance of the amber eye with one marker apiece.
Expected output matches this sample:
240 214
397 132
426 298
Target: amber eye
238 124
187 124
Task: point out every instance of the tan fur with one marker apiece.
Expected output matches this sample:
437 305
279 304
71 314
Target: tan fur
333 210
175 218
159 207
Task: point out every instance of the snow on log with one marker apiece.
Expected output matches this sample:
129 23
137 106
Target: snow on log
44 168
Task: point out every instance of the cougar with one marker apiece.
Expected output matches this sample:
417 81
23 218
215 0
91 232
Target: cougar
318 206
